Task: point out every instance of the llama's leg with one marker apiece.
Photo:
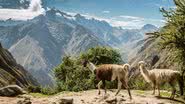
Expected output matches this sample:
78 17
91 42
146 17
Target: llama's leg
153 85
125 84
119 87
99 87
158 87
104 86
172 84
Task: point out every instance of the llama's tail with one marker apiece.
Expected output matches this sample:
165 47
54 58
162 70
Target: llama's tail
181 84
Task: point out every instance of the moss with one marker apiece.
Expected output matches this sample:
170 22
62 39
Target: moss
38 95
165 93
140 92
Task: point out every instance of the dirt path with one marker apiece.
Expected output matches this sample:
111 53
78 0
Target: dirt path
91 97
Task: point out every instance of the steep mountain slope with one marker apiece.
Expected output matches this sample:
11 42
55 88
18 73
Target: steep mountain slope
11 72
133 40
151 53
39 44
114 36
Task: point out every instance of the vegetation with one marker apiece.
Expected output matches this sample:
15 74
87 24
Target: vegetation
172 35
44 90
72 76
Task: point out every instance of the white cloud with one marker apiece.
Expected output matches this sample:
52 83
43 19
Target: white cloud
128 22
129 17
34 10
105 11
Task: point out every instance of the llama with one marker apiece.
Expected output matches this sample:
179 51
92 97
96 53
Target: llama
111 72
160 76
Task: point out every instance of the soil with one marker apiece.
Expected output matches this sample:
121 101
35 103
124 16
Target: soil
92 97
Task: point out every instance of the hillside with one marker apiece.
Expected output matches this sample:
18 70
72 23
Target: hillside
151 52
39 44
11 72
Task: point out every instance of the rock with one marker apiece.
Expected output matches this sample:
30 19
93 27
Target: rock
120 100
24 96
111 101
25 101
65 101
11 90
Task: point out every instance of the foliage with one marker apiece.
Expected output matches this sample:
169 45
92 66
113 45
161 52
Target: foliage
34 89
172 35
39 89
72 76
139 83
102 55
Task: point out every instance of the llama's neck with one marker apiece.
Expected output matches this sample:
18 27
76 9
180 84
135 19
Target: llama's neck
145 73
92 67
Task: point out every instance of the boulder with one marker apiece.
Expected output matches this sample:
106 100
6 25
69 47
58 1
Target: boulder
25 101
11 90
65 101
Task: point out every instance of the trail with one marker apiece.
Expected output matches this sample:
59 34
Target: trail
91 97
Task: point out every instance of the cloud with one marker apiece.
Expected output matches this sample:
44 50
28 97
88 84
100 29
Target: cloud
105 11
35 9
127 22
129 17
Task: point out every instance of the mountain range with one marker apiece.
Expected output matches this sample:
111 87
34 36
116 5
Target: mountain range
39 44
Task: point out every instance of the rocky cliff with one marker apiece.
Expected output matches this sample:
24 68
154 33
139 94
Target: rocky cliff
11 72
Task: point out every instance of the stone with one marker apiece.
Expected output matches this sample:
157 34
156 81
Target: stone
11 90
65 101
25 101
111 101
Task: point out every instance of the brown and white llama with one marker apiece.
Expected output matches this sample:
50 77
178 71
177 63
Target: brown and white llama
111 72
157 77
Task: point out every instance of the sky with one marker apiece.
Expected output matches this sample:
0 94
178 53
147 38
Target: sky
128 14
124 13
35 8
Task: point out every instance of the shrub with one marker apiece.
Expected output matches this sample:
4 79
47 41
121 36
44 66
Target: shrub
72 76
34 89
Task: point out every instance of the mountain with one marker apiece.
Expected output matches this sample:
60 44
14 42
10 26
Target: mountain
132 40
100 28
114 36
11 72
39 44
151 53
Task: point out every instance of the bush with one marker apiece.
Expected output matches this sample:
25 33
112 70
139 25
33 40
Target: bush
43 90
139 83
34 89
48 91
72 76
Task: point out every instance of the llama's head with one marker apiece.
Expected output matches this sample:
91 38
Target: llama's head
141 63
85 62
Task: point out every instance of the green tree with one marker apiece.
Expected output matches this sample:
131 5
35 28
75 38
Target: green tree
72 76
102 55
172 35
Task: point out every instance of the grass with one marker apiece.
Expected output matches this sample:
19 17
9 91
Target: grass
165 93
38 95
140 92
